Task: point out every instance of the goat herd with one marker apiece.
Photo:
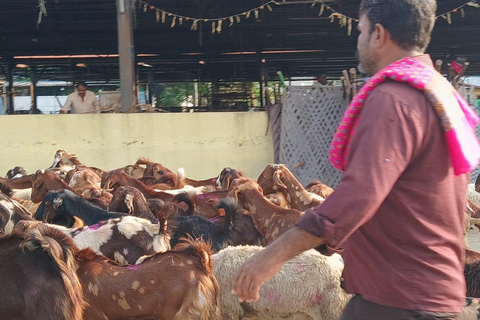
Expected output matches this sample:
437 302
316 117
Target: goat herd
143 242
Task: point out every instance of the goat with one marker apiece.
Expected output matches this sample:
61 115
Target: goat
59 207
64 160
44 181
318 188
131 200
16 172
11 212
39 277
271 220
176 285
472 273
8 185
204 205
277 178
119 178
124 239
231 233
307 287
153 169
226 177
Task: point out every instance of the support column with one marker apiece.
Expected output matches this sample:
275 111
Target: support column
126 51
262 84
10 95
33 90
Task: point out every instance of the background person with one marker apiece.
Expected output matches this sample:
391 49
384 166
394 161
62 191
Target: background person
81 101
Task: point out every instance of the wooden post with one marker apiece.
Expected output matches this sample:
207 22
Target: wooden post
10 94
33 90
126 51
353 78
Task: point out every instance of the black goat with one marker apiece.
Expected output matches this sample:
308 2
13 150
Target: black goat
60 206
234 230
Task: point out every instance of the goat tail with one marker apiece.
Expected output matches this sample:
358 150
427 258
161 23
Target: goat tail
231 208
62 250
180 183
197 248
185 198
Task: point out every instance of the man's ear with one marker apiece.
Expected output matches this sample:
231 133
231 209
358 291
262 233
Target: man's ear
380 35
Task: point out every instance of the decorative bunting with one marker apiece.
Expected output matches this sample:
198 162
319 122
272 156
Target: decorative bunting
344 20
217 23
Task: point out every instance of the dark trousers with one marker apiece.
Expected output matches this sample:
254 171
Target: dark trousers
361 309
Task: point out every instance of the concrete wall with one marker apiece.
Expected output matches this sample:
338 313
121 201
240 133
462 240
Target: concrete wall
202 143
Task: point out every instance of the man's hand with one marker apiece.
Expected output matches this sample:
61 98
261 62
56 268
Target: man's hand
268 262
62 111
253 273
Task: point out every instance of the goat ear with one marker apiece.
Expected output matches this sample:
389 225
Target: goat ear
129 202
57 203
228 182
278 181
78 222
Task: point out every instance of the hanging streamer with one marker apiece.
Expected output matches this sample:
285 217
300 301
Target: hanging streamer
217 23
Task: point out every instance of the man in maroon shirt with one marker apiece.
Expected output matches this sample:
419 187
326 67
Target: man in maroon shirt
398 211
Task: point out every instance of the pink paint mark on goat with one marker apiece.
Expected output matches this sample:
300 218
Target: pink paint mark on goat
97 225
133 267
299 268
316 298
214 179
94 226
271 296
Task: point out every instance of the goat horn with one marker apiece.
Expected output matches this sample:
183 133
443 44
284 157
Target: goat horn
276 179
78 222
129 202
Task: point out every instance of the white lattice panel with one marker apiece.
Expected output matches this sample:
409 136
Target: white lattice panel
310 116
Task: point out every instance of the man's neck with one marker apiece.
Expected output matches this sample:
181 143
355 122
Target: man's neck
397 55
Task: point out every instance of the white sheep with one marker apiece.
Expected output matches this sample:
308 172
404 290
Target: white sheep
306 288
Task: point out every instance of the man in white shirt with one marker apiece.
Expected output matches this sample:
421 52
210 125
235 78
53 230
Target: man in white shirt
81 101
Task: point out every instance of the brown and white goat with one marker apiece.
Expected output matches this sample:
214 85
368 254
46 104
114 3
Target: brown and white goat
130 200
119 178
64 160
123 240
226 177
39 277
177 285
44 181
11 212
271 220
319 188
277 178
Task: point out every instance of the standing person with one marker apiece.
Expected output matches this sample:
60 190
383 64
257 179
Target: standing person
81 101
322 79
407 145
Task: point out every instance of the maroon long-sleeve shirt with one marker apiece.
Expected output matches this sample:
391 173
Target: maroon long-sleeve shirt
398 212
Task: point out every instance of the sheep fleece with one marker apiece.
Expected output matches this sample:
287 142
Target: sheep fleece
307 287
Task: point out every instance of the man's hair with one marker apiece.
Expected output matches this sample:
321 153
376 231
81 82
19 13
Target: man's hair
410 22
81 83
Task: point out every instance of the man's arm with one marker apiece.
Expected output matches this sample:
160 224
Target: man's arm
268 262
67 105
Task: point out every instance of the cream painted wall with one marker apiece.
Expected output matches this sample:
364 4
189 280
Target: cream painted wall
202 143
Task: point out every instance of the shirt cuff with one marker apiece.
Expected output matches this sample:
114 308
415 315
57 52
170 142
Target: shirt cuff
319 226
